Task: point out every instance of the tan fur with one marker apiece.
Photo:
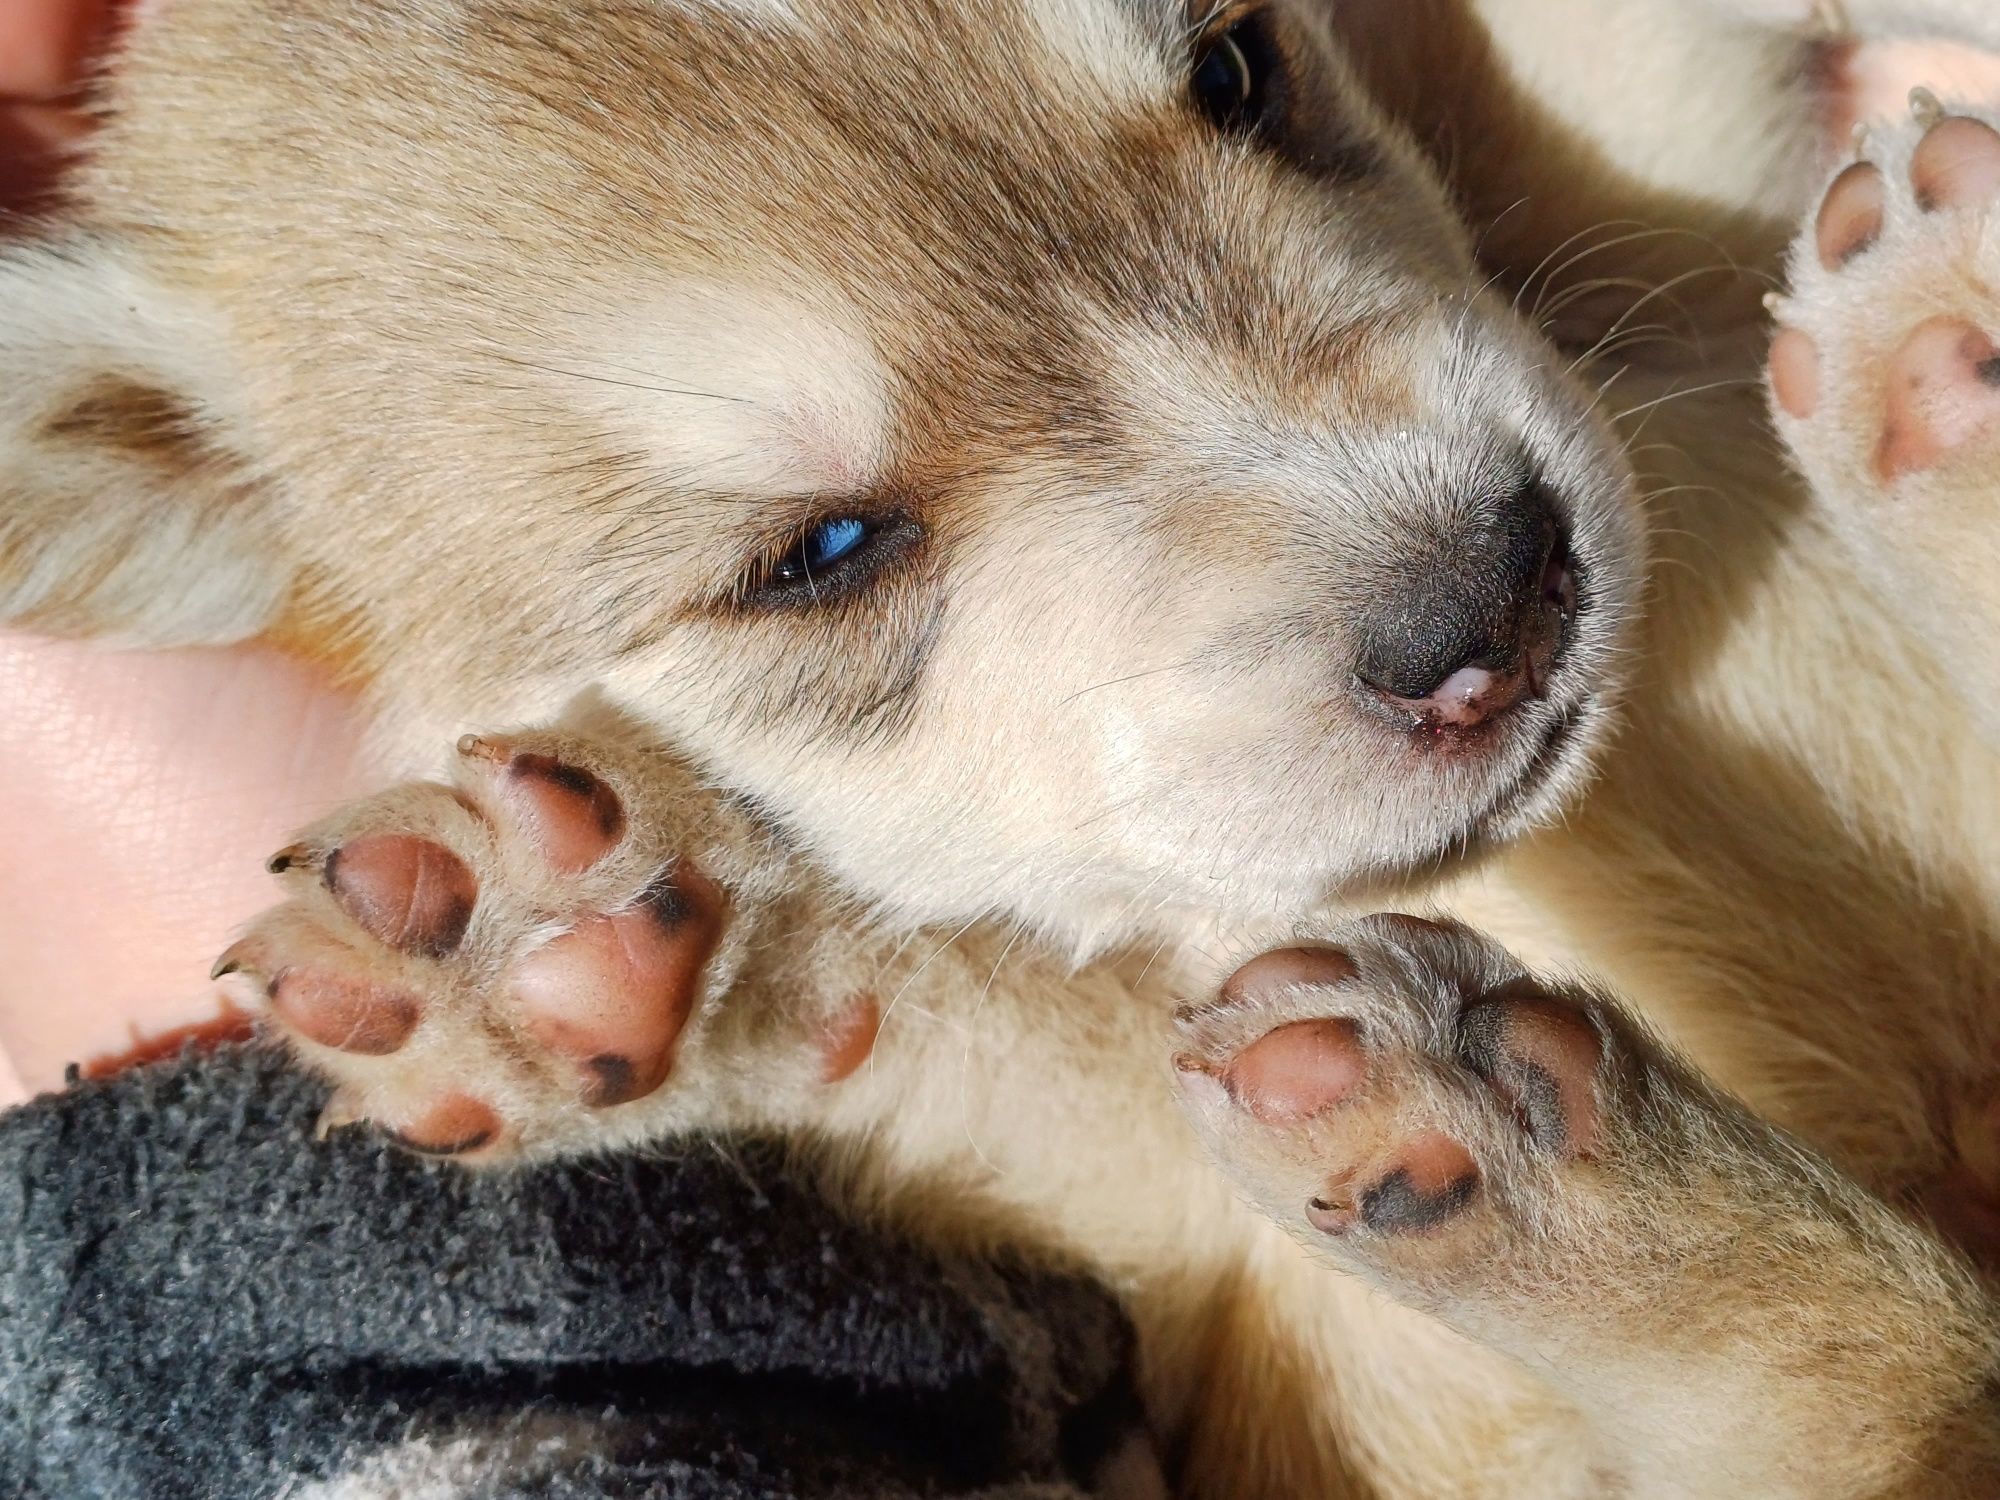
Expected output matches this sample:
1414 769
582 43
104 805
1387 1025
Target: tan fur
460 273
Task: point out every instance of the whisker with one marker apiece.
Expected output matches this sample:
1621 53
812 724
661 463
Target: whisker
1130 677
897 998
634 385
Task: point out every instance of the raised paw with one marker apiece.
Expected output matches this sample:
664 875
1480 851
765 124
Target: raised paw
1520 1160
1400 1091
520 961
1885 375
1885 365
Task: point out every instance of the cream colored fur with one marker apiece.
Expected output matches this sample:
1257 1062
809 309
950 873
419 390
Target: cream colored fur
426 417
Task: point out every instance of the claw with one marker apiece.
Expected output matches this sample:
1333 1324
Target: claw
235 959
478 747
1829 18
341 1111
1924 107
292 856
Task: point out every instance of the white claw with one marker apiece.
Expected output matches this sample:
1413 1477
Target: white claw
1924 107
342 1110
1857 138
1773 303
1830 18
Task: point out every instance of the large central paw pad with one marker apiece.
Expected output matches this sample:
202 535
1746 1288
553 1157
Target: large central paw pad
499 965
1399 1081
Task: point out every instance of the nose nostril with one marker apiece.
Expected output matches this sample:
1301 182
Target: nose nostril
1559 582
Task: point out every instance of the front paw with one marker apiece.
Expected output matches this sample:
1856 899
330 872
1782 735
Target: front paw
1401 1094
1522 1160
1885 376
1886 367
531 959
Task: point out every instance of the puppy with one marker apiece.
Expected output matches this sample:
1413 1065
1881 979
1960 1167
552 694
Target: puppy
1023 519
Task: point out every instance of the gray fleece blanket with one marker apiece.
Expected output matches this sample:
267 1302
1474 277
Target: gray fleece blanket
200 1302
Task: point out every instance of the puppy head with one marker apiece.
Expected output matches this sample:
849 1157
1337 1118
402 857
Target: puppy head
1053 455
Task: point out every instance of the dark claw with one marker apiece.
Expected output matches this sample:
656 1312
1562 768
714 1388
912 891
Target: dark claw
292 856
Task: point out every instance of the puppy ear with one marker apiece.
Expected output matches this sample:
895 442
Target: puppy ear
125 513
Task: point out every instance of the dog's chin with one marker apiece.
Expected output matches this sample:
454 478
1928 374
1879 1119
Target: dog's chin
1555 773
1557 765
1548 781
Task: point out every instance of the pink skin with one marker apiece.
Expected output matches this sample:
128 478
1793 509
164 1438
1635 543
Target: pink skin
141 793
1880 78
139 797
44 44
1937 399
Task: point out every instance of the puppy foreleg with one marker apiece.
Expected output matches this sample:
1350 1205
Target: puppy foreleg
1521 1160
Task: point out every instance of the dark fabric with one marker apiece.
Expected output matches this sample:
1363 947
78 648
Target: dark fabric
198 1300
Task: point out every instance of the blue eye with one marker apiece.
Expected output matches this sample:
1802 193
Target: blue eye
832 560
822 547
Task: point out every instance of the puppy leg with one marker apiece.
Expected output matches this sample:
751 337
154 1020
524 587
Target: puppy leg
532 959
1520 1160
1885 378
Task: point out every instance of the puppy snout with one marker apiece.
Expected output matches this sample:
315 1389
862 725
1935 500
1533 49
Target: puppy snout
1476 628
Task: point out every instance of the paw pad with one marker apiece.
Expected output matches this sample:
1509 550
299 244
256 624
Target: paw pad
1944 391
1850 216
1300 1070
470 959
1795 372
847 1039
1435 1180
614 992
1389 1074
344 1013
455 1126
1877 382
570 816
1956 165
405 892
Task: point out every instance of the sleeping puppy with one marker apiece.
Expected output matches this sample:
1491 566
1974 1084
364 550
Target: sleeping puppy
1018 520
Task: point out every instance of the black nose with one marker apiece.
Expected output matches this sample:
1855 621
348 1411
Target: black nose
1472 626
